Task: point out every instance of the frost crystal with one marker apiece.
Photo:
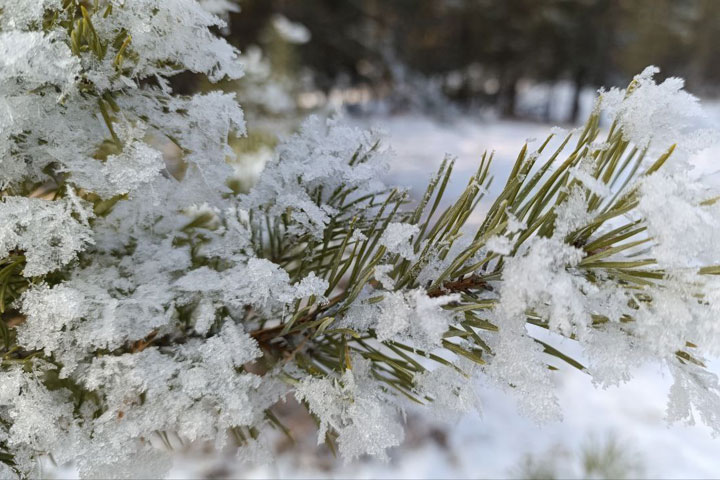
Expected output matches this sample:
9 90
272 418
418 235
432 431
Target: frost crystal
324 153
538 279
36 59
452 393
410 316
397 238
662 114
682 226
48 232
357 408
120 174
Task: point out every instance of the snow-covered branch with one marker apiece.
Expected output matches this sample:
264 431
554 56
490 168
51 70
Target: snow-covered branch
141 301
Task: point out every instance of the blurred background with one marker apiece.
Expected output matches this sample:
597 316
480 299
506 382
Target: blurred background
458 77
399 55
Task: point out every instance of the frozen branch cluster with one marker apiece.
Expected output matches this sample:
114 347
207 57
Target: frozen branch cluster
144 304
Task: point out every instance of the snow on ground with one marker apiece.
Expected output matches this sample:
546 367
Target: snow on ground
493 446
421 143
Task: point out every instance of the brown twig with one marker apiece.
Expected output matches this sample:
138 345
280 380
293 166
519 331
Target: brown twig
142 344
472 282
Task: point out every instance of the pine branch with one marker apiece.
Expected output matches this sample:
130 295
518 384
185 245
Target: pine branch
135 303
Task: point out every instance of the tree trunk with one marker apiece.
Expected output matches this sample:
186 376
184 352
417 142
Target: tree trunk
507 96
579 83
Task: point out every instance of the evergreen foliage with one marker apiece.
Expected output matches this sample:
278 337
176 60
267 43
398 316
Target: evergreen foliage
142 307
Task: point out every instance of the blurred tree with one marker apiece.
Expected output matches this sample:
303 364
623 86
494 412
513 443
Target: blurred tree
488 47
657 32
577 37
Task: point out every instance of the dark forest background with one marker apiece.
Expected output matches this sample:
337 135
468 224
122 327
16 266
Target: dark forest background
480 51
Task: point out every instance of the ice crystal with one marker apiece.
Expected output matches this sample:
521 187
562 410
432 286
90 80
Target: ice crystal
538 279
452 393
21 14
397 238
662 114
49 233
179 36
406 316
119 174
356 407
35 59
682 226
325 153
